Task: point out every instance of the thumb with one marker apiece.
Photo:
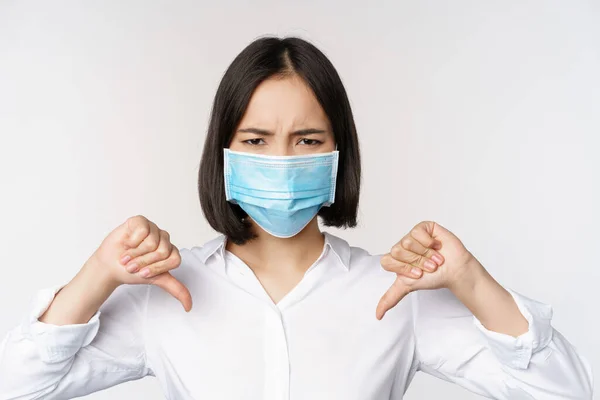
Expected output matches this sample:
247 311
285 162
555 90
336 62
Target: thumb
168 283
394 294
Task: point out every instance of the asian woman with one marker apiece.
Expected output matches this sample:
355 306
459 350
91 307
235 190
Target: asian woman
282 310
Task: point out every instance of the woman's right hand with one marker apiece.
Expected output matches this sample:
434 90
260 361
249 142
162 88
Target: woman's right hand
137 246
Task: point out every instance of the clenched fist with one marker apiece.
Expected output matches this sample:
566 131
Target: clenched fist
428 257
139 252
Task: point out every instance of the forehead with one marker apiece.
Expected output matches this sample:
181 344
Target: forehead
284 101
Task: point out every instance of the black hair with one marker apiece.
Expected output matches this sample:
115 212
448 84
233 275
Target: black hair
264 58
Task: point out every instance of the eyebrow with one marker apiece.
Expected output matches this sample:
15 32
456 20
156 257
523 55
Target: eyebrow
269 133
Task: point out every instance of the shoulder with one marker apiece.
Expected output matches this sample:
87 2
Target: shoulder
198 269
363 266
202 252
370 281
362 261
198 256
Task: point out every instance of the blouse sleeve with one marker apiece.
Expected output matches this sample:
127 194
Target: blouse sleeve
452 344
41 360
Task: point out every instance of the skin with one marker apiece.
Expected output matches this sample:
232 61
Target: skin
138 240
284 118
458 271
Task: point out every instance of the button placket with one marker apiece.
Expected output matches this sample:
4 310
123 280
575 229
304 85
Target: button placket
277 363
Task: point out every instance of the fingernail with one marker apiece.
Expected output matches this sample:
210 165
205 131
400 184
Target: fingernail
132 268
416 271
125 259
145 272
437 258
429 265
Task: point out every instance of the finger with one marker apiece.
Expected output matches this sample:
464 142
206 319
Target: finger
394 294
423 232
162 252
168 283
413 259
411 251
172 262
148 245
391 264
137 229
422 237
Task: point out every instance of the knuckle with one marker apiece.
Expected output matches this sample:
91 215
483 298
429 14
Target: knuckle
418 260
172 260
176 256
137 219
141 263
162 253
143 229
166 235
151 242
388 268
386 260
406 242
174 263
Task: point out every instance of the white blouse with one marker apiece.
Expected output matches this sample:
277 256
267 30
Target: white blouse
321 341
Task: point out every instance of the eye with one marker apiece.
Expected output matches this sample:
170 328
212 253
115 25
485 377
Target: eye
310 142
254 142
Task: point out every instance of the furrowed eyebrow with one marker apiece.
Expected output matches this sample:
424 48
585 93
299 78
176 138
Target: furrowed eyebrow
307 131
265 132
257 131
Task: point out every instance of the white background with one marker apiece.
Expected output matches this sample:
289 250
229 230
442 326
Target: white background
482 116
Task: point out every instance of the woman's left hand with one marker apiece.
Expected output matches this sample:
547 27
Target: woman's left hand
428 257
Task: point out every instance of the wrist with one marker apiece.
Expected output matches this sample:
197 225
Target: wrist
469 277
77 301
99 274
489 302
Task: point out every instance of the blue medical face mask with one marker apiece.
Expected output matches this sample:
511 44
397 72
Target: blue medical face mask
282 194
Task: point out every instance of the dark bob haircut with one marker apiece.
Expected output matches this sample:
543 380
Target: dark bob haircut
265 58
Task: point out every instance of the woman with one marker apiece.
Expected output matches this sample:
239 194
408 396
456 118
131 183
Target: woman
282 310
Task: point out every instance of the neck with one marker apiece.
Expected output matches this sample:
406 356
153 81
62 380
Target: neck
268 253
